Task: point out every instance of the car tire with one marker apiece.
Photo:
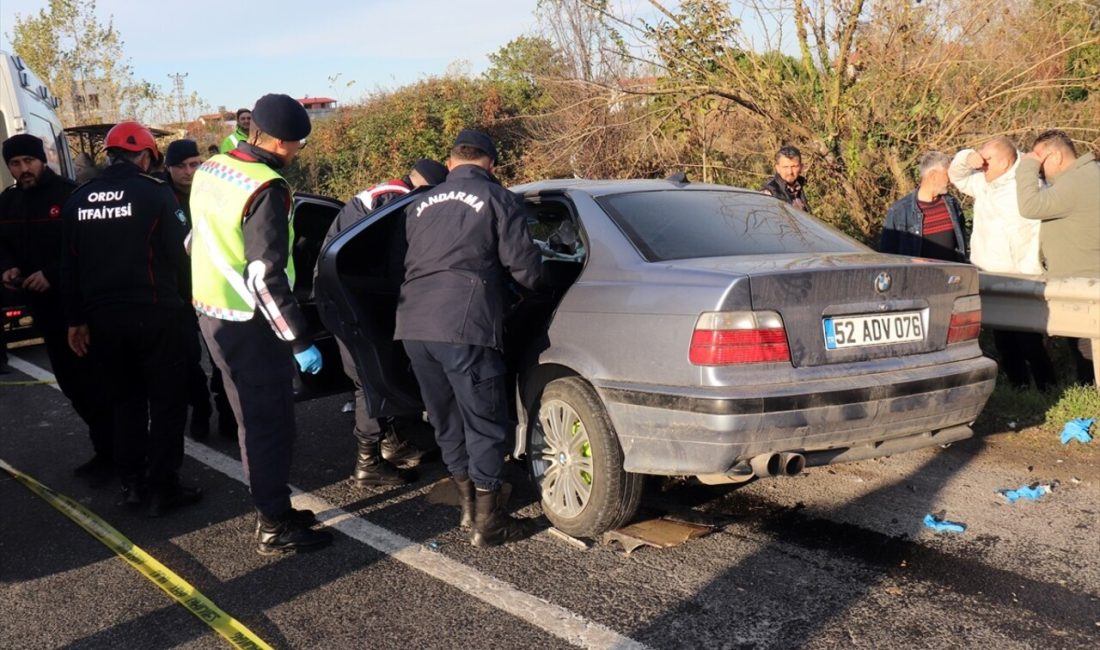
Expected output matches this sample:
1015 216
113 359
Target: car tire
576 461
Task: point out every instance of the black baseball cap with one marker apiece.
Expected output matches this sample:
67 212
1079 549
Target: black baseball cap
477 140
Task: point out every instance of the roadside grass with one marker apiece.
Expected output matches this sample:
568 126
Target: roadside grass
1010 409
1076 401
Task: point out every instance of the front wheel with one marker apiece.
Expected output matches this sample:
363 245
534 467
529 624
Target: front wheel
577 462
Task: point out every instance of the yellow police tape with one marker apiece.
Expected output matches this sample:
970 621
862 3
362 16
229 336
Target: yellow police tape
179 589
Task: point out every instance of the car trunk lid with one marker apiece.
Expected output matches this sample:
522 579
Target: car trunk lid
848 307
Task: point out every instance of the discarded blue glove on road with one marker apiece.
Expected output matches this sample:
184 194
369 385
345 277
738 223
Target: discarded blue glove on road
1029 492
1078 430
941 525
309 360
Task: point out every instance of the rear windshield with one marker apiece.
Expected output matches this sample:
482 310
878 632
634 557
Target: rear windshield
683 224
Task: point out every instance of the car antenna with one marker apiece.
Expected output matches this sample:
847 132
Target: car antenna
680 178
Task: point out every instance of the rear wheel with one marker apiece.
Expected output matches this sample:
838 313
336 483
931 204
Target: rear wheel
577 462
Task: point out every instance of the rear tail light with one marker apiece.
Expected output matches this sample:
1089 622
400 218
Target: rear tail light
731 337
966 320
14 313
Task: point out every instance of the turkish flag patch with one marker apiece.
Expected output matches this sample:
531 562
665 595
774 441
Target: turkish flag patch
55 211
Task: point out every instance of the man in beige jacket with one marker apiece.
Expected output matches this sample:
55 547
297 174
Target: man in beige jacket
1068 206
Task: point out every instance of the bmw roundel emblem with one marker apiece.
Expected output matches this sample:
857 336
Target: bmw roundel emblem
883 282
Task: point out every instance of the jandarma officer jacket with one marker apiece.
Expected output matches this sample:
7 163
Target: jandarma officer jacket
242 229
123 238
466 238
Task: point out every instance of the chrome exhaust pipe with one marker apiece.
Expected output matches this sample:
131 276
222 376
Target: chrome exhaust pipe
766 465
791 463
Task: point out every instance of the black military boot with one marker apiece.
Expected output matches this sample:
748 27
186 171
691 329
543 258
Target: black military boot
303 518
400 452
465 499
133 491
286 534
492 526
170 497
372 469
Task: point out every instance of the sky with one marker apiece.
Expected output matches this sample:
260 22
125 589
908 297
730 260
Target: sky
234 53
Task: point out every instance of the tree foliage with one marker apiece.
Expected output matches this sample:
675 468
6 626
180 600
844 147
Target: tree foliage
380 139
873 85
82 62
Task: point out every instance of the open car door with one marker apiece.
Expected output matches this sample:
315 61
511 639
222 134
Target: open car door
358 284
312 216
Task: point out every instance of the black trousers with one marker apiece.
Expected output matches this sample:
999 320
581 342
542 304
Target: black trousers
1023 356
367 429
464 388
140 353
77 377
258 370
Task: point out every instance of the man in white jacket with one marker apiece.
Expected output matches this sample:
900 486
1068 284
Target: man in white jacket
1002 241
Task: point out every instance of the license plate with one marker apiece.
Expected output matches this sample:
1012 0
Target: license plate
874 329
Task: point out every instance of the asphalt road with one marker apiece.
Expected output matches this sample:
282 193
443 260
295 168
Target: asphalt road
837 557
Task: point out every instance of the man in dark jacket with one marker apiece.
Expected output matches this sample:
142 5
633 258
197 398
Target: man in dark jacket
788 184
380 447
467 238
928 221
125 283
30 262
181 161
243 271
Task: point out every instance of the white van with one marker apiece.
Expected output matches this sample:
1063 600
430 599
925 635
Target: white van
26 106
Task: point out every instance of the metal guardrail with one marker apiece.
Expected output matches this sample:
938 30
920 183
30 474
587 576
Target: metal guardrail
1056 306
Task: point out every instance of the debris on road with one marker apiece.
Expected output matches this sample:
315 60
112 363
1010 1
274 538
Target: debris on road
938 523
568 539
1029 492
1078 429
658 533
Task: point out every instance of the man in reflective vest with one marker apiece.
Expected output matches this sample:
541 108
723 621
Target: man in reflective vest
239 134
243 275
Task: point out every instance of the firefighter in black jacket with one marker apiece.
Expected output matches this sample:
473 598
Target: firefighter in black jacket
467 238
30 262
124 279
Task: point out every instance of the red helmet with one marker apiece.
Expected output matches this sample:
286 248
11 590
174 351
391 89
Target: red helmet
131 136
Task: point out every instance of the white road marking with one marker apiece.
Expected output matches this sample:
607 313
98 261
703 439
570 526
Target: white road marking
533 610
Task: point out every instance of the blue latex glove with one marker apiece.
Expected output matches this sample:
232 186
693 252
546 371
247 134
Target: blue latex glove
1025 492
1078 430
309 360
943 526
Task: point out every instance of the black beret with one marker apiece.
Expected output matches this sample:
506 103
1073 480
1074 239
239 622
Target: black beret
477 140
24 144
179 151
433 171
281 116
